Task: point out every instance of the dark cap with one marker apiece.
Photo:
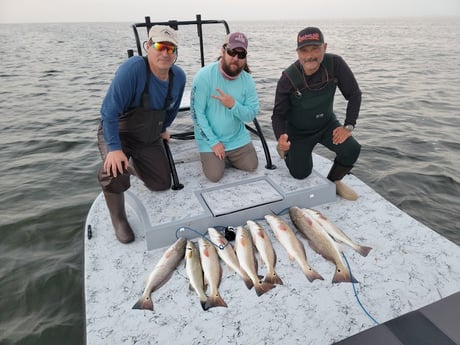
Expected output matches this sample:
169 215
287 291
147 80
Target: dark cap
236 40
309 37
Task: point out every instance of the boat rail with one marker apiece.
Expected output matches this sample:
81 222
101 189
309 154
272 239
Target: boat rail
176 24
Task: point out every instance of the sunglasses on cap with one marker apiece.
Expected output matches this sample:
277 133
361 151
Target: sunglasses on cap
233 53
170 49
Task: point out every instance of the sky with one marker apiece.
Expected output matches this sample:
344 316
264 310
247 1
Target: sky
50 11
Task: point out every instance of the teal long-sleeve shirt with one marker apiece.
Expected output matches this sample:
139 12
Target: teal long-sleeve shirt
213 122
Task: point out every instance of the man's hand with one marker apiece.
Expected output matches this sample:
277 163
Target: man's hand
226 100
165 135
115 163
283 145
219 150
340 134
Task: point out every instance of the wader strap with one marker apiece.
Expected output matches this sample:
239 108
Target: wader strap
145 94
297 80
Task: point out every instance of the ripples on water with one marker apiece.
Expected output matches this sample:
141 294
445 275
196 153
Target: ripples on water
53 78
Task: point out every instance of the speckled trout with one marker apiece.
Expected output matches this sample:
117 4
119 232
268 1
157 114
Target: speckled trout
227 253
295 249
337 233
321 242
195 272
212 273
265 248
245 253
162 273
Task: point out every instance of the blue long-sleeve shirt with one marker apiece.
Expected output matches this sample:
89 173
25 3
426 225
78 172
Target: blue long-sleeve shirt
213 122
125 92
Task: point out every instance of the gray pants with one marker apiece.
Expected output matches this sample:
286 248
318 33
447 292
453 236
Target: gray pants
243 158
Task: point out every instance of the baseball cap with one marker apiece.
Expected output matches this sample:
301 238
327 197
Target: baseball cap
310 36
160 33
236 40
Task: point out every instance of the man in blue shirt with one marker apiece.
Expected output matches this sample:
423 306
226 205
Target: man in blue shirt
141 102
223 98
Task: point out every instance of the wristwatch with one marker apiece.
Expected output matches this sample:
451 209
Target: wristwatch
350 127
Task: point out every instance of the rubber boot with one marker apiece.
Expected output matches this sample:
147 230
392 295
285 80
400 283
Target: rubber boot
336 174
116 205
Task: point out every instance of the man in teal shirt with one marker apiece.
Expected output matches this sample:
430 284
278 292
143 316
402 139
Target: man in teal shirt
223 99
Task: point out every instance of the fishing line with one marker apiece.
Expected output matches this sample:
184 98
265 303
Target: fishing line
219 246
356 293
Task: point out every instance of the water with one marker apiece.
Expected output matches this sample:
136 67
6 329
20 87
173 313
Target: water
53 79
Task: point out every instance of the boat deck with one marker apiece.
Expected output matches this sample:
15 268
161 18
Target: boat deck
409 267
435 324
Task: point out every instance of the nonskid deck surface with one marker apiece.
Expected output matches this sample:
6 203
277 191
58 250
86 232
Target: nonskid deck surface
409 267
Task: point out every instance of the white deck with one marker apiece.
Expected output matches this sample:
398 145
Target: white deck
409 267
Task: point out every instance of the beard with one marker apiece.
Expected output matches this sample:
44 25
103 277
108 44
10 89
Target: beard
231 69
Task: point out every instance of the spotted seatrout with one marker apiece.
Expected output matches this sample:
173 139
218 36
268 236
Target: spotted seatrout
321 242
265 248
212 273
227 253
295 249
162 273
337 233
245 253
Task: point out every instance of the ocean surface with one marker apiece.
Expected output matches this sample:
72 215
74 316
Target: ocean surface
53 79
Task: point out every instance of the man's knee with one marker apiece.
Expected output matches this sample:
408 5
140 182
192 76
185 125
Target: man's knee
213 176
111 184
158 184
300 174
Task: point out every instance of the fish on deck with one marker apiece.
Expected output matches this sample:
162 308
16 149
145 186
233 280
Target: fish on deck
212 273
321 242
195 272
162 273
245 253
265 248
227 253
295 249
334 231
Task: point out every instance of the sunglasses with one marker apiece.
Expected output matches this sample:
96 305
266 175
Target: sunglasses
170 49
233 53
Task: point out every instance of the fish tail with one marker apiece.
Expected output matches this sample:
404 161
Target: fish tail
248 282
214 301
204 304
145 302
203 300
312 275
363 250
263 287
342 275
273 278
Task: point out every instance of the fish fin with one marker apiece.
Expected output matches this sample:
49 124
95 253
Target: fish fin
342 275
215 301
312 275
273 278
204 304
363 250
248 282
263 287
145 302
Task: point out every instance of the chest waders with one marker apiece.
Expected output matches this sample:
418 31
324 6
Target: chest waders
311 106
142 124
139 130
310 120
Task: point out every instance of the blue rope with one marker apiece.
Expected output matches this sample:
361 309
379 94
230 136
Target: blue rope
356 293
